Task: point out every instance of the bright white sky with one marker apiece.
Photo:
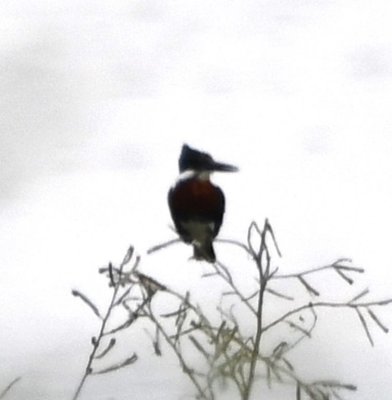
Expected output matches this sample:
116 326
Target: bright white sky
97 99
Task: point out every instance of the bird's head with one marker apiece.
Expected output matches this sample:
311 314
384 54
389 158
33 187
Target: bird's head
198 161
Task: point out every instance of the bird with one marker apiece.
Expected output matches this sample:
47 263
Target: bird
196 204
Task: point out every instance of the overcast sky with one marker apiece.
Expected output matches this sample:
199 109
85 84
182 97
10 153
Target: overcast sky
97 99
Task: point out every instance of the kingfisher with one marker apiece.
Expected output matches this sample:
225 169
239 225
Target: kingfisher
196 204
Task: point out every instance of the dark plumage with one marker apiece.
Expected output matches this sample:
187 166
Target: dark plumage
196 205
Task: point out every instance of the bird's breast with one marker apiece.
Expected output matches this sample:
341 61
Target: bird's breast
197 197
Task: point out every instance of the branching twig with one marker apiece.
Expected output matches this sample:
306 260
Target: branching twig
96 341
222 271
227 353
335 266
190 372
263 274
326 305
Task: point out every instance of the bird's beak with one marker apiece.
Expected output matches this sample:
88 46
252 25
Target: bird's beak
221 167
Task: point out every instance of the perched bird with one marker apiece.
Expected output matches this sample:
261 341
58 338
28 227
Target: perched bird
196 205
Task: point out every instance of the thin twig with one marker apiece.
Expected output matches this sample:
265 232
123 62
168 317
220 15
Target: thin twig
359 296
365 326
325 304
278 294
109 347
9 387
163 245
219 267
87 301
318 269
128 361
374 317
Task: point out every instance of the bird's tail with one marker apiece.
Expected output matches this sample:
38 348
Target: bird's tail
204 251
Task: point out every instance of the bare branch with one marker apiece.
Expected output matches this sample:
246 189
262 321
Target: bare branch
187 370
308 287
298 392
263 250
9 387
343 276
365 327
298 328
377 321
327 305
128 256
199 347
111 276
278 294
219 267
151 285
115 367
252 251
335 384
109 347
163 245
270 230
360 295
87 301
335 266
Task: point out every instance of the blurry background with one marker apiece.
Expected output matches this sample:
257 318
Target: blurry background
97 99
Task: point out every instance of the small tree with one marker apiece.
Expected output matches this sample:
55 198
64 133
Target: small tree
230 346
